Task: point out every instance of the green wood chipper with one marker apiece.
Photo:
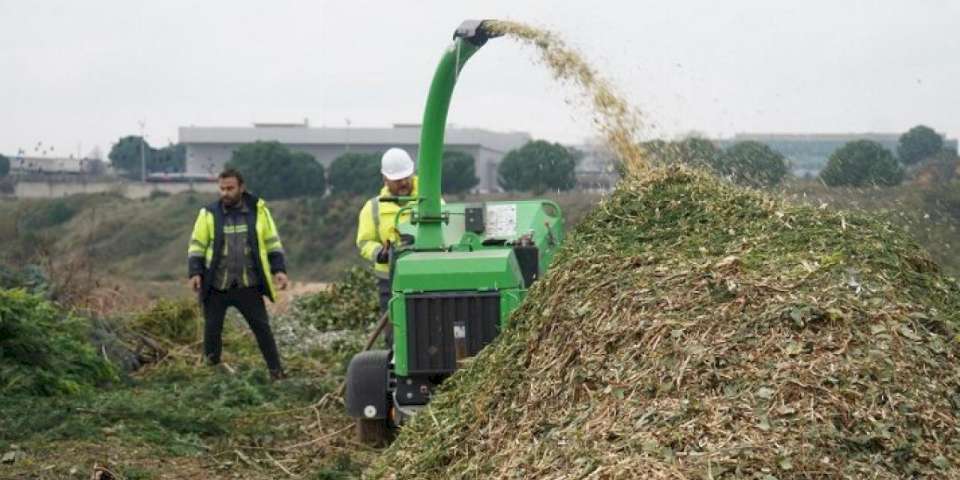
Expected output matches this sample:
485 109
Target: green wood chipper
461 270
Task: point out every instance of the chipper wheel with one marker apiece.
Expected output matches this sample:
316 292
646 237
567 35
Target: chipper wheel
366 397
376 433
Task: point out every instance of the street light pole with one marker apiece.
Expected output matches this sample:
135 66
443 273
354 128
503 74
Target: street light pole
348 122
143 153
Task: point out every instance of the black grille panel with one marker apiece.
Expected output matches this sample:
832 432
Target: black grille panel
444 327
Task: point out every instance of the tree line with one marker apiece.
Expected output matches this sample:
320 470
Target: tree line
857 163
537 166
273 170
276 171
864 162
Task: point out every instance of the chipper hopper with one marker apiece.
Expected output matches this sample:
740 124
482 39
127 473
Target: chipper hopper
461 270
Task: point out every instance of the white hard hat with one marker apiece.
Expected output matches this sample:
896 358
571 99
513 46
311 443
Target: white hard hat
396 164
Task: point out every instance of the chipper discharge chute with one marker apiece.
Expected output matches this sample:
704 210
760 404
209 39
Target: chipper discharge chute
461 271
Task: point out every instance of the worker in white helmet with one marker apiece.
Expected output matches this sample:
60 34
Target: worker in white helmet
376 232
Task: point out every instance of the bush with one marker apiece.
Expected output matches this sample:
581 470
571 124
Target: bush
173 321
537 167
860 163
356 173
44 351
698 152
130 153
169 159
459 173
918 144
49 214
30 278
351 303
272 170
752 164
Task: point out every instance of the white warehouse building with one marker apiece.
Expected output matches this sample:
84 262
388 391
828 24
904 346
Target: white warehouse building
209 148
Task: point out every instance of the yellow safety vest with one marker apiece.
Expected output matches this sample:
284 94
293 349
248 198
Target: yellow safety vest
376 225
204 243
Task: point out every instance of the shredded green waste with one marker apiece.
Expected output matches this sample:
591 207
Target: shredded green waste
690 328
693 329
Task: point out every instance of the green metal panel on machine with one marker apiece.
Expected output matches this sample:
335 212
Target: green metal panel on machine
506 221
493 270
510 299
483 260
483 270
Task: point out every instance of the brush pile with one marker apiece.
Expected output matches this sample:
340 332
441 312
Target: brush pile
45 351
350 303
693 329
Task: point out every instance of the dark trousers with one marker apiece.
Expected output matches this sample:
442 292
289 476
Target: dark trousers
383 288
250 303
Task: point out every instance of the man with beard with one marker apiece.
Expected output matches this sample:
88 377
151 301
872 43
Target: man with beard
235 258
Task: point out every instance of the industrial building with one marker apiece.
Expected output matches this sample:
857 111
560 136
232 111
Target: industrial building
209 148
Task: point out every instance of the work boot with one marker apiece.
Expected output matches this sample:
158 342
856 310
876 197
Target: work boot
211 361
277 375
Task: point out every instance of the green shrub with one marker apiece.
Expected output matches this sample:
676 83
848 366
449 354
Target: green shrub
273 171
49 214
348 304
459 173
175 321
537 167
862 163
356 174
918 144
30 278
752 164
44 351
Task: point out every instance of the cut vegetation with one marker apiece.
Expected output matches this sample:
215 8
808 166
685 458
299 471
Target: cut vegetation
691 329
130 394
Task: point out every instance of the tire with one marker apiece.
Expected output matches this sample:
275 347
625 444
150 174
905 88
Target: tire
375 433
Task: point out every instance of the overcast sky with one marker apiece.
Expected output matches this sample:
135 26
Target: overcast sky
81 74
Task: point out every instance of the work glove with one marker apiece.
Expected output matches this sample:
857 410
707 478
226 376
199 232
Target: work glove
383 256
